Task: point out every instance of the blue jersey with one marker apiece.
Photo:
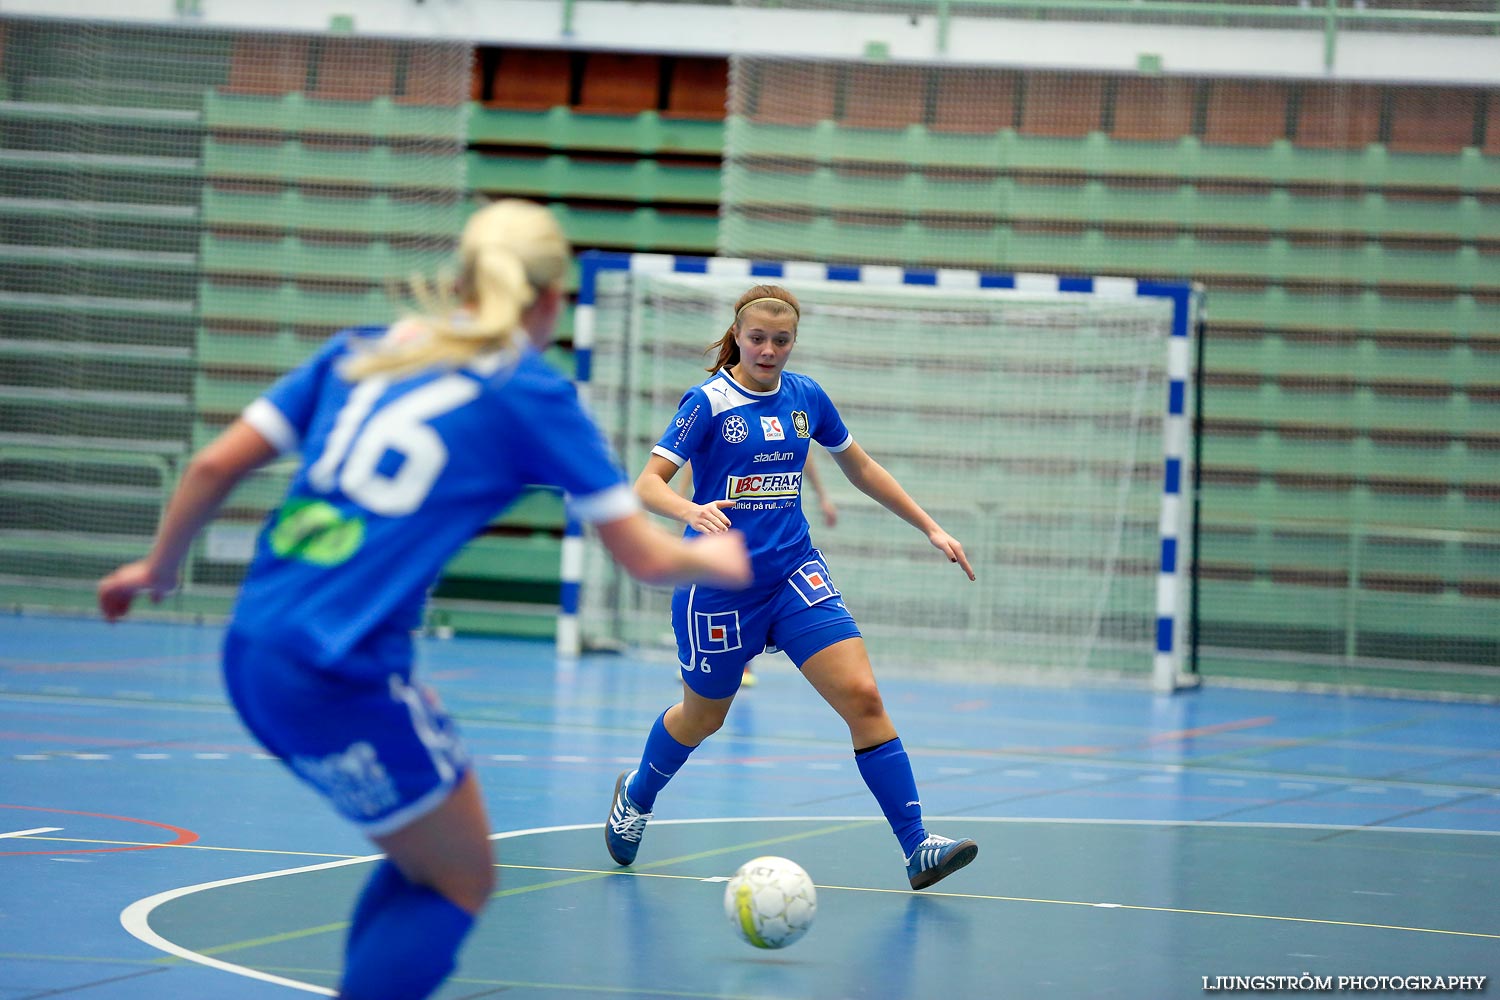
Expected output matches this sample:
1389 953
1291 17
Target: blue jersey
395 476
750 447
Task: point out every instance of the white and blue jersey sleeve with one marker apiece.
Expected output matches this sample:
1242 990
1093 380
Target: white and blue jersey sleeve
568 450
750 447
283 413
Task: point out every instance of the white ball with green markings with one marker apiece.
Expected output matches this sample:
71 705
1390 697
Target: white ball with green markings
770 902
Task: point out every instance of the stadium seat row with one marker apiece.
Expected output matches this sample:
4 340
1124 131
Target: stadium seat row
1134 108
1278 163
1000 198
862 238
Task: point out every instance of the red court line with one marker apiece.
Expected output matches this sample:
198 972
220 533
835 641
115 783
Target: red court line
183 838
1175 736
91 742
1221 727
63 666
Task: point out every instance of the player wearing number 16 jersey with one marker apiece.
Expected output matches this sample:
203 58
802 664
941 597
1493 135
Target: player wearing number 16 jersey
746 431
411 440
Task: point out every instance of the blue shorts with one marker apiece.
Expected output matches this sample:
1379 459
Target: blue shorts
719 631
380 749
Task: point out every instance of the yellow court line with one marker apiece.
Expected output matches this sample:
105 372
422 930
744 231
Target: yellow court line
193 847
21 956
651 991
1170 909
270 939
1024 899
583 875
592 874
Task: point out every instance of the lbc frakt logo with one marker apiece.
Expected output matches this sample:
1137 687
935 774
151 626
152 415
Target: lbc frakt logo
764 484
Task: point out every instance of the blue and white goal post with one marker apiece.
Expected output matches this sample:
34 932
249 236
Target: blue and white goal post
1046 422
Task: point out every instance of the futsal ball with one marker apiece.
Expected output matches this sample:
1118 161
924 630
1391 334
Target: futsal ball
770 902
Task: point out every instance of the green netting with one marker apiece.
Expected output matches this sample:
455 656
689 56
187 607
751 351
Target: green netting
185 215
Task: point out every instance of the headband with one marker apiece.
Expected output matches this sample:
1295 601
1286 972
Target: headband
765 298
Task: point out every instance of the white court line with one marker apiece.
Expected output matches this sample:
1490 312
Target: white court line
135 918
27 833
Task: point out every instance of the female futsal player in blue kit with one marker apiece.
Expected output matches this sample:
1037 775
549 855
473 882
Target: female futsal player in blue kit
747 430
412 439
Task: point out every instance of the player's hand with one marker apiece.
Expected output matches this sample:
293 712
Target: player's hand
724 554
949 546
830 512
118 590
709 518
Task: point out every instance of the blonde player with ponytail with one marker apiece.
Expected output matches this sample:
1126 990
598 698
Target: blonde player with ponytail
412 438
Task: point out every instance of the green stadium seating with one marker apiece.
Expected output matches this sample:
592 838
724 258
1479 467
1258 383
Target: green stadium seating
1097 202
560 176
292 113
647 133
293 161
291 304
293 257
293 210
1188 158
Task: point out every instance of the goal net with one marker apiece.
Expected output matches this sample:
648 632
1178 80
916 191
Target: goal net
1036 424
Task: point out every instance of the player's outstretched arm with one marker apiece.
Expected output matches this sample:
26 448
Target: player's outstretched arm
209 478
871 479
654 488
651 555
826 505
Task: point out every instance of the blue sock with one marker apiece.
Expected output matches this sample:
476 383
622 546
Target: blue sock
386 880
659 762
887 772
403 940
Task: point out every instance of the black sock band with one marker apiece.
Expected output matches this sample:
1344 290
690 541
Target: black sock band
877 746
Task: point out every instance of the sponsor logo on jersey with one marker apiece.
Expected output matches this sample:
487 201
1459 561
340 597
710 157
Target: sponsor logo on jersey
764 484
316 532
735 429
799 423
774 456
770 429
685 424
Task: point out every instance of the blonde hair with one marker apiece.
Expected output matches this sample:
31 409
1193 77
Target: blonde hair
775 300
510 251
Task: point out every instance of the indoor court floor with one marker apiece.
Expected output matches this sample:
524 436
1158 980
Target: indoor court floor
1131 845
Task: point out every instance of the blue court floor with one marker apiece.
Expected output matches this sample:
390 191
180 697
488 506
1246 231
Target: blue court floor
1130 844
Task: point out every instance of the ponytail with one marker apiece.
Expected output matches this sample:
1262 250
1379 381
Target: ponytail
509 252
777 302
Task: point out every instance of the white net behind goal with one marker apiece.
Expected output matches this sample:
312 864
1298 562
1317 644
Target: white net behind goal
1028 424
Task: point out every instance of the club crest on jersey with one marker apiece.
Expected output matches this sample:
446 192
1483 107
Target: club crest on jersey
764 484
799 423
770 429
736 429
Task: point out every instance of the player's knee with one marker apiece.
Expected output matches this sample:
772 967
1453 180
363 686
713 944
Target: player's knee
701 725
472 890
863 701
